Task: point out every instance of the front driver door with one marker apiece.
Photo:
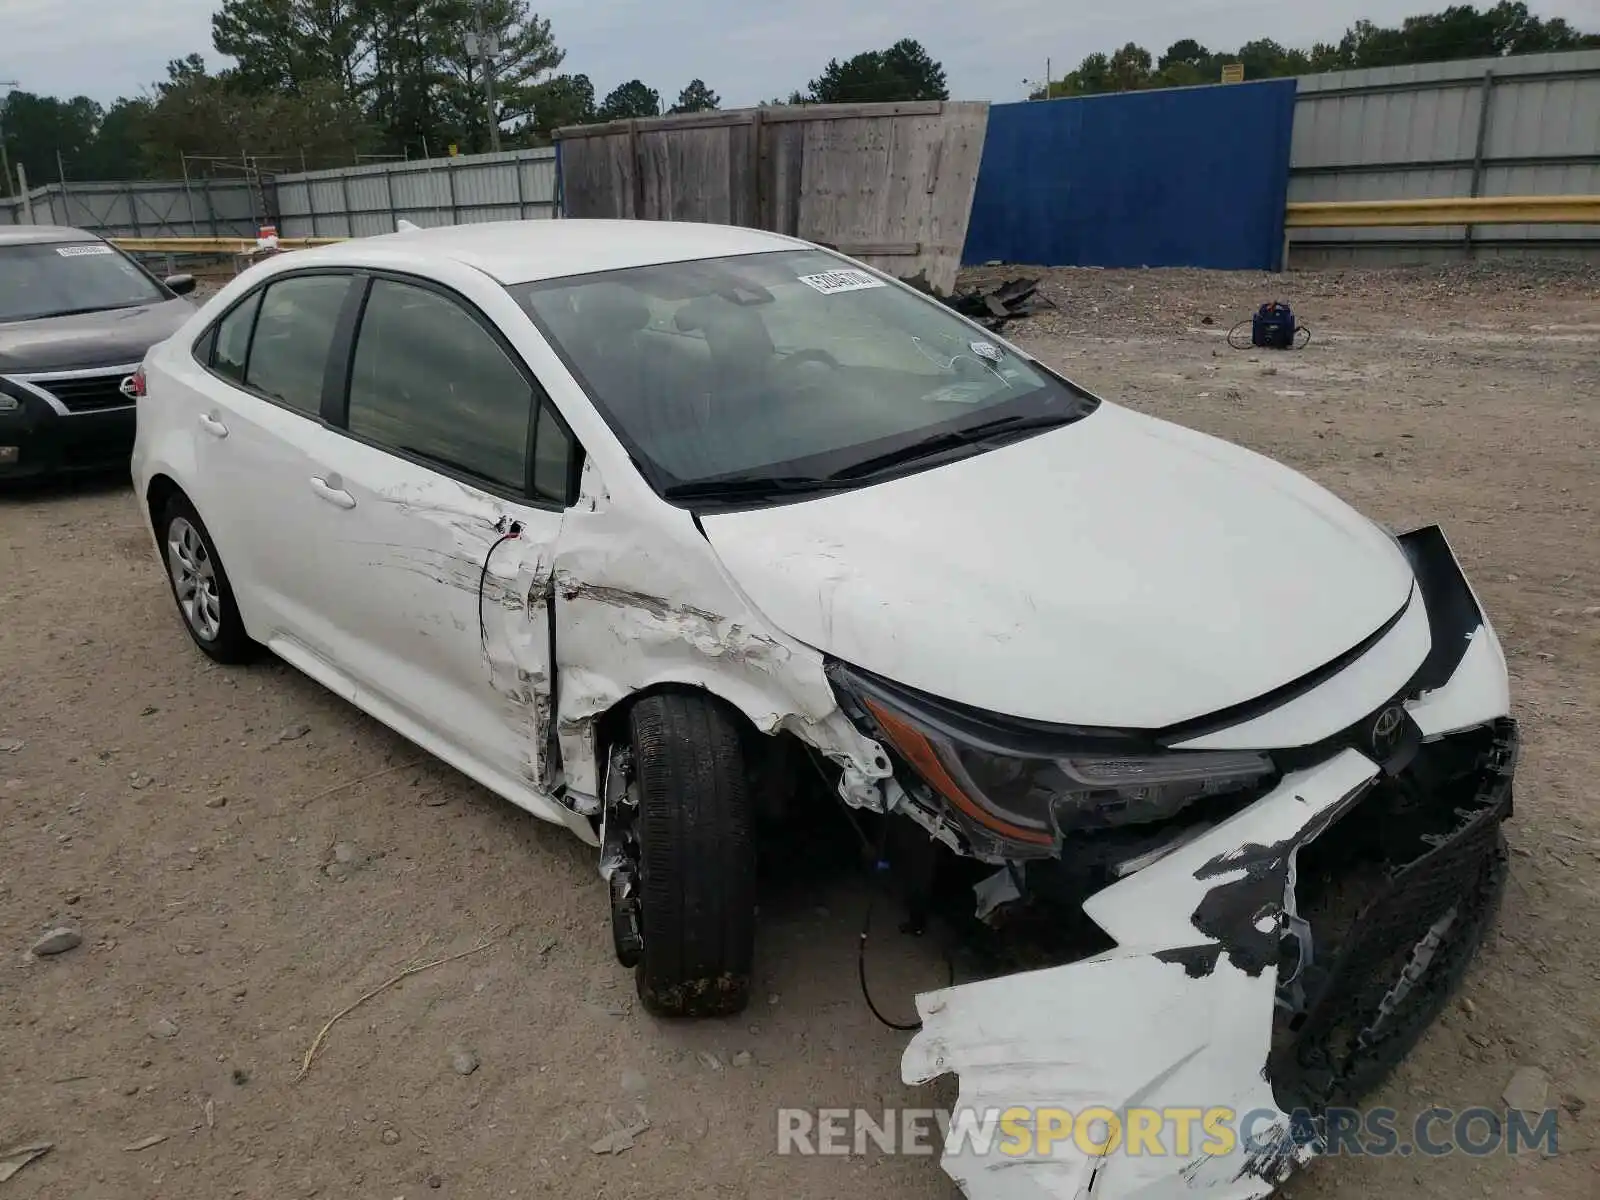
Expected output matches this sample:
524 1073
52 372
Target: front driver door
456 473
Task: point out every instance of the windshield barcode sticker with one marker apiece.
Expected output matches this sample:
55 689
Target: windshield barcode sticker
79 251
830 282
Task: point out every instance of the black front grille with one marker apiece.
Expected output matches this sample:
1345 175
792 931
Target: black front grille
89 393
1435 861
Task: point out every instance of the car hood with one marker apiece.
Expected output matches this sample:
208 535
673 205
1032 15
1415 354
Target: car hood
1121 571
108 338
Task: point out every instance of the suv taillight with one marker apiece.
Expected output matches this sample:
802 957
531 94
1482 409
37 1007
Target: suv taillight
138 383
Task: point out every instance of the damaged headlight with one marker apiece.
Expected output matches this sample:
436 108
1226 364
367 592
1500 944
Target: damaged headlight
1034 798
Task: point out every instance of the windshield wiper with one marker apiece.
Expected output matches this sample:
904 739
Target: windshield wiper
952 440
752 487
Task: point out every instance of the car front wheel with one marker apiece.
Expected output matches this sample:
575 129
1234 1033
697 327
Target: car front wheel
696 857
200 584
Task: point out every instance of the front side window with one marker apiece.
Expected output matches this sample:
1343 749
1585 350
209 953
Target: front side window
791 366
59 279
428 380
288 353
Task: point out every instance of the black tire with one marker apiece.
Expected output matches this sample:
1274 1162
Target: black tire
697 878
230 643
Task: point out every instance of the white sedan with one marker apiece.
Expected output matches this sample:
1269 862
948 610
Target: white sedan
627 521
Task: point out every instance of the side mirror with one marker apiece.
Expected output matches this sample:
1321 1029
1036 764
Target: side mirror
179 285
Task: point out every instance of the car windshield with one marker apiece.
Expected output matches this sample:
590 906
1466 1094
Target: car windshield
53 279
789 370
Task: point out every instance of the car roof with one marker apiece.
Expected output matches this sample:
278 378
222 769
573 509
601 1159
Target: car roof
526 251
31 235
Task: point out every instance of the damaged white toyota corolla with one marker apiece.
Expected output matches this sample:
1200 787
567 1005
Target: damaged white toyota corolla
627 521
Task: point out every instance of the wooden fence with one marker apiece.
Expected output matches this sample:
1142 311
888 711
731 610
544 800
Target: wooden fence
890 184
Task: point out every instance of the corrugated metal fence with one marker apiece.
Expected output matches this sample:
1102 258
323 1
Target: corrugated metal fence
363 201
162 208
1522 126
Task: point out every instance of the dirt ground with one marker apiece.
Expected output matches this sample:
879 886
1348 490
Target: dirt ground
232 896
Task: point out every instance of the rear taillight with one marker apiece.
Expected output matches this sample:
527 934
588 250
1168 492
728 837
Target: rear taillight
138 383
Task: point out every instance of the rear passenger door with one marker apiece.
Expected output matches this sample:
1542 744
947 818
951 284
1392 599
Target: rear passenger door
260 442
458 471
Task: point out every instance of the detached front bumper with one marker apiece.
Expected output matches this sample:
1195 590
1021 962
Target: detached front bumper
1277 964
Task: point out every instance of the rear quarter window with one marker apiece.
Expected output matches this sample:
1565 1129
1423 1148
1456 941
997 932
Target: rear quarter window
232 339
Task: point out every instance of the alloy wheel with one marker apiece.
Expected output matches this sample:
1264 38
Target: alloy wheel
194 579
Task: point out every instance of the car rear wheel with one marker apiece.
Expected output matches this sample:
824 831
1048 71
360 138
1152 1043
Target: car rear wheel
200 584
696 858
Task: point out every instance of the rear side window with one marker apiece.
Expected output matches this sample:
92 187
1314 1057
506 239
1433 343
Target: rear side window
233 339
428 380
293 332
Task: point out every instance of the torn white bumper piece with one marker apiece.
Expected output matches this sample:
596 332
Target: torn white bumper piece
1168 1020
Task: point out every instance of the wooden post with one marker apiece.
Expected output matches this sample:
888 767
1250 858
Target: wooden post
636 199
756 166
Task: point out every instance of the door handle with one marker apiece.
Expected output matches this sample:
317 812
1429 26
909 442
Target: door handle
333 494
213 426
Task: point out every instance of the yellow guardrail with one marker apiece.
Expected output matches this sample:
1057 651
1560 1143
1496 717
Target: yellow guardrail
1482 210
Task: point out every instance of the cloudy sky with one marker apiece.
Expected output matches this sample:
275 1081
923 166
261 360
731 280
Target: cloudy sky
747 50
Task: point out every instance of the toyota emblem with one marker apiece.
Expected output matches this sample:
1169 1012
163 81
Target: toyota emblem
1387 730
127 388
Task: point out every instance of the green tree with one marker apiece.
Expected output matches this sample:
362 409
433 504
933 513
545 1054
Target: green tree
1266 59
287 45
400 94
696 97
1186 52
902 72
1092 77
201 114
564 100
1130 68
1459 31
523 50
119 142
38 128
631 99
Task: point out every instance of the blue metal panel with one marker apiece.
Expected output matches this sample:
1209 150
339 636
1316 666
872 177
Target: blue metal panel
1187 177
